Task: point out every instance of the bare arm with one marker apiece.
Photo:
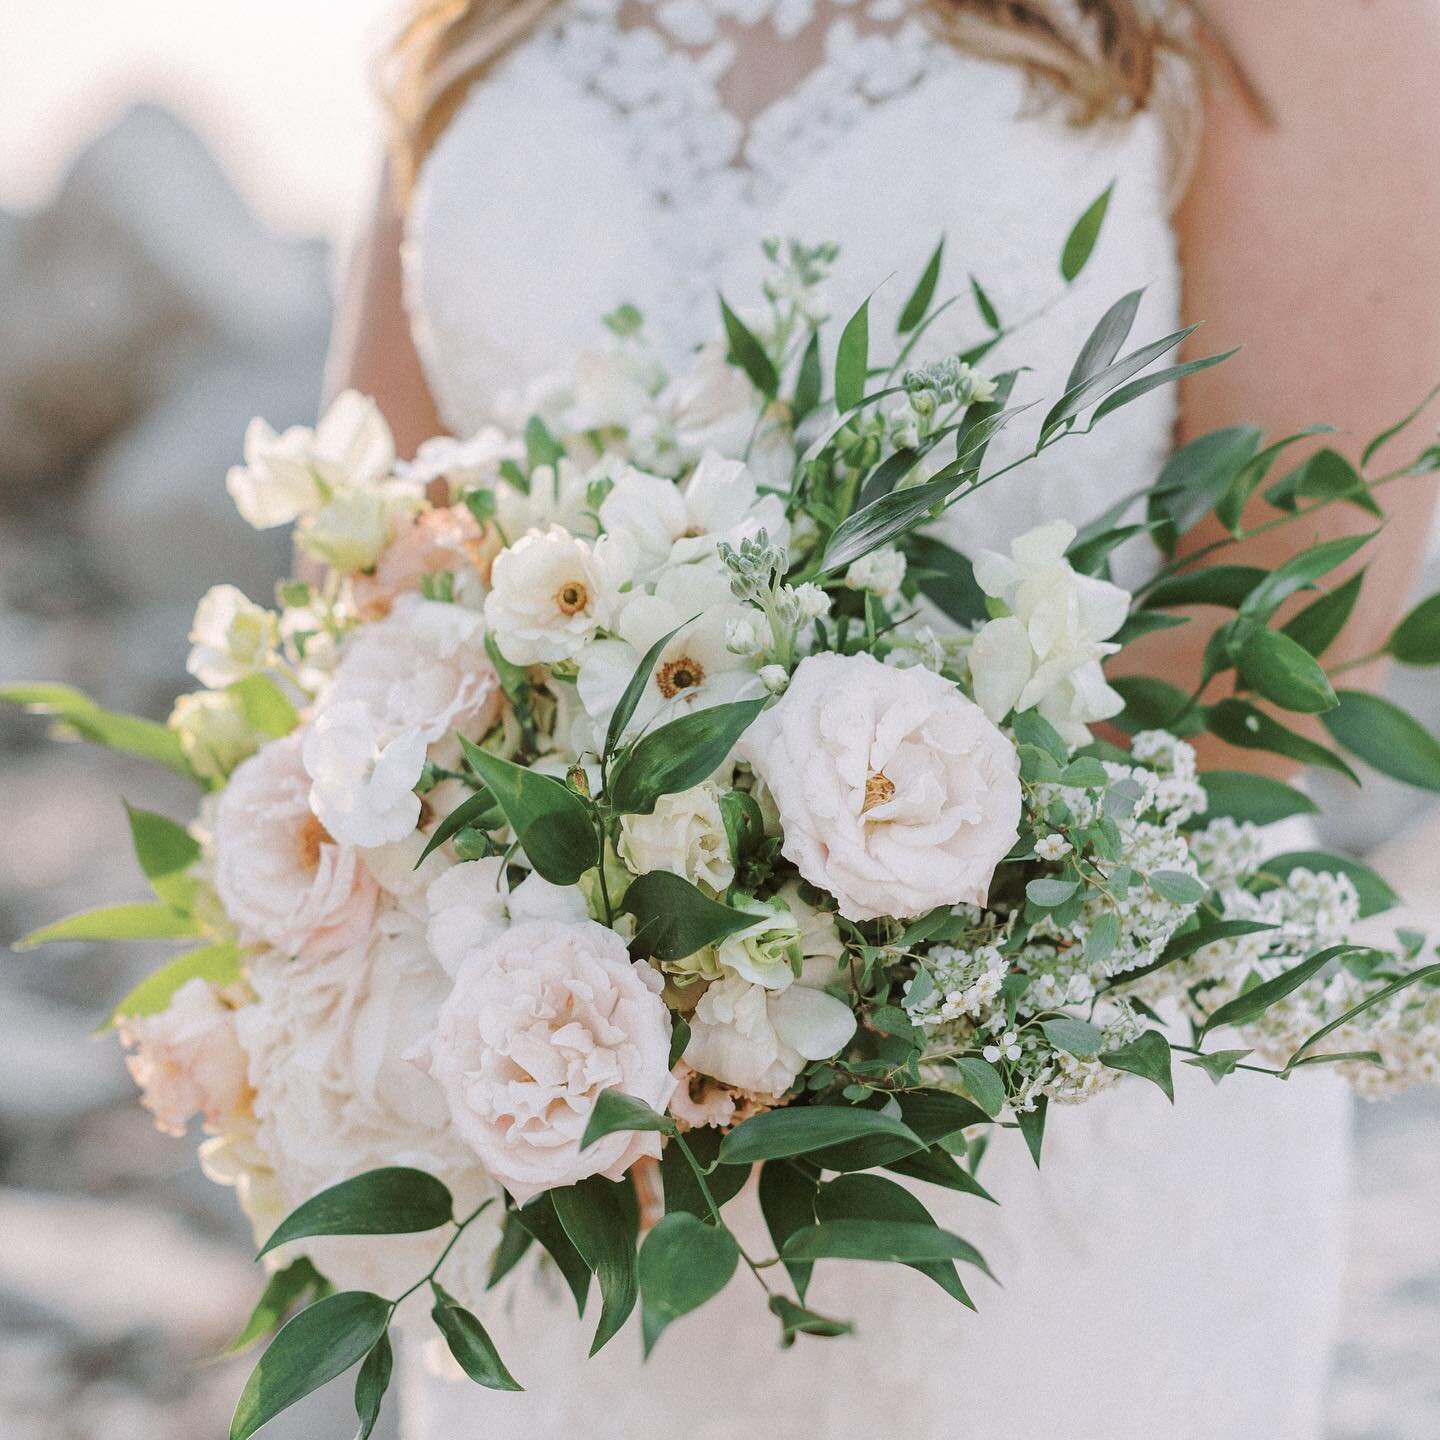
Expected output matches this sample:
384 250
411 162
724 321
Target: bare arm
1315 244
372 350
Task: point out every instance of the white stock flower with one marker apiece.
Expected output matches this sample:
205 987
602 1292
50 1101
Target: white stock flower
187 1061
672 525
1046 653
293 474
283 878
895 793
550 592
231 637
543 1017
760 1039
812 602
363 783
879 573
684 834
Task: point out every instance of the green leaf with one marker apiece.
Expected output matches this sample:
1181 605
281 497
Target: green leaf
541 447
321 1342
1079 397
1074 1037
679 1038
1148 1056
1048 893
937 1115
898 1241
679 755
1385 436
682 1190
166 851
1226 585
683 1263
802 1128
1194 477
923 293
1415 977
673 919
796 1320
1080 243
749 354
1319 624
551 822
218 964
538 1218
1149 704
1284 671
394 1200
371 1384
116 922
78 715
480 810
469 1343
1242 795
1416 639
1299 572
809 382
515 1242
852 360
602 1234
876 1199
1328 475
1383 735
1230 507
1104 936
1143 386
1254 1002
935 1167
985 305
620 716
1219 1063
983 1082
1241 724
787 1201
1105 339
1376 896
284 1290
265 706
614 1110
1032 1127
1032 728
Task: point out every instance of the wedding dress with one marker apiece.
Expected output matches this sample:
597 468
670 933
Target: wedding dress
1169 1272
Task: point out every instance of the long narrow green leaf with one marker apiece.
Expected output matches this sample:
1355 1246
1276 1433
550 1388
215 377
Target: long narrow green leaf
116 922
1080 243
1415 977
923 293
852 360
77 714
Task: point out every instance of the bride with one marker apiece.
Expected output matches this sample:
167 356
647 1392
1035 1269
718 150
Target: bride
1168 1273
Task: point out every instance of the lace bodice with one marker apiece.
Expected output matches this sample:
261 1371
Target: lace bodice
639 150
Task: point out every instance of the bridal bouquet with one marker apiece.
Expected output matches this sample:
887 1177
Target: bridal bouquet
645 797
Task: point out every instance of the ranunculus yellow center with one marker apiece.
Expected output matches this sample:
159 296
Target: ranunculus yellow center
677 675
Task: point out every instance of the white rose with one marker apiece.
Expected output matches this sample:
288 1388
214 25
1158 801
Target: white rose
550 592
1045 655
895 793
685 834
336 1095
187 1060
284 880
759 1039
214 733
879 573
287 476
542 1019
363 789
231 637
766 953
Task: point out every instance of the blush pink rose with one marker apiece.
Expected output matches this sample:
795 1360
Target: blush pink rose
447 539
543 1018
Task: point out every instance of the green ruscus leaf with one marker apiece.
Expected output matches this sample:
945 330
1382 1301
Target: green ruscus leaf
394 1200
469 1342
679 755
683 1263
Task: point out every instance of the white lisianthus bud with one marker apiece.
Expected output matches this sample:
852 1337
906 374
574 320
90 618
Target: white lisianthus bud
813 602
879 573
743 636
685 834
214 734
774 678
231 637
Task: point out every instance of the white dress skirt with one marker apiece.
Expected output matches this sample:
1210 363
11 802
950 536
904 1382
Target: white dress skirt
1169 1272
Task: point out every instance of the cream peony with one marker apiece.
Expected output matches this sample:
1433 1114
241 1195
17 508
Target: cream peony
685 834
543 1017
550 592
187 1061
758 1039
284 880
1045 655
231 637
895 793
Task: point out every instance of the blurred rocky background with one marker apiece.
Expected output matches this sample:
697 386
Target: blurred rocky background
145 315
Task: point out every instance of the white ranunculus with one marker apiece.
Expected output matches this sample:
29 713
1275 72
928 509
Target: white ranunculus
685 834
231 637
895 793
1046 654
291 475
696 668
363 784
544 1017
336 1094
559 494
550 592
285 881
671 525
214 732
187 1061
759 1039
